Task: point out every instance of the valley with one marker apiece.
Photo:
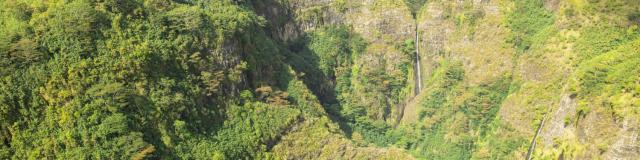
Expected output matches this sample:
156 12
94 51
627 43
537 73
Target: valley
319 79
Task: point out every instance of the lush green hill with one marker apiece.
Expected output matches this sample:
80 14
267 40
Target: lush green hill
163 79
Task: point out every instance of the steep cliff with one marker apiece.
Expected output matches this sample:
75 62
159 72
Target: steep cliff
319 79
553 55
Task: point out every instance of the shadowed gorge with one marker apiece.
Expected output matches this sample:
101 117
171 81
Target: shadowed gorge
319 79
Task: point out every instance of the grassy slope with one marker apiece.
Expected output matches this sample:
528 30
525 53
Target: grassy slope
550 50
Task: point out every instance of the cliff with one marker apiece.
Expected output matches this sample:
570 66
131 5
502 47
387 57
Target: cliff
319 79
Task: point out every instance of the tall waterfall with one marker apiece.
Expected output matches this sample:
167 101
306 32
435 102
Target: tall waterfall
418 71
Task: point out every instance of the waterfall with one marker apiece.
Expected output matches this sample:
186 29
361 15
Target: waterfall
418 71
532 146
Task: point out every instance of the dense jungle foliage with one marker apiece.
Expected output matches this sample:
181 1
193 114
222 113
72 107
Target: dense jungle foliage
103 79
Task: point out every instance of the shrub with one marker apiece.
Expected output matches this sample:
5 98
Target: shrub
527 19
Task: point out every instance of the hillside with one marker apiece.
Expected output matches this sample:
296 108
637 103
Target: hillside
319 79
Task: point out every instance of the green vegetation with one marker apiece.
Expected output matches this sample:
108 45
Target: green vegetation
598 40
527 21
607 79
415 5
603 38
177 80
291 79
587 52
459 121
357 91
467 20
107 79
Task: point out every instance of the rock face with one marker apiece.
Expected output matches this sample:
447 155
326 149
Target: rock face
625 145
478 44
479 35
556 125
482 35
383 24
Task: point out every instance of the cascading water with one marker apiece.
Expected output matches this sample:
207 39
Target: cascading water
418 71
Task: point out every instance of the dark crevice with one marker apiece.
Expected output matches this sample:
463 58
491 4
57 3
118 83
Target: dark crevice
291 128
